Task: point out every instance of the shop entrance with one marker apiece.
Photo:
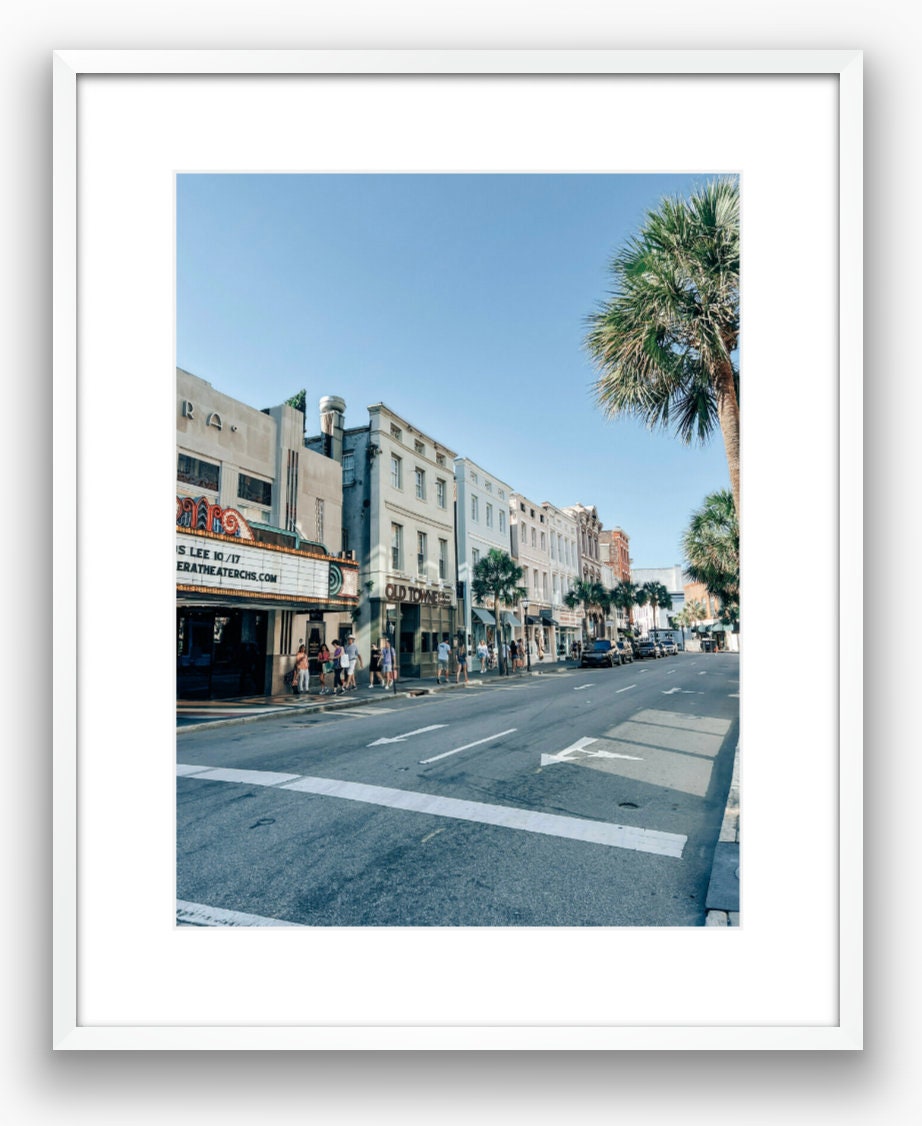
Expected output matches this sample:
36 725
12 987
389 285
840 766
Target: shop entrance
220 653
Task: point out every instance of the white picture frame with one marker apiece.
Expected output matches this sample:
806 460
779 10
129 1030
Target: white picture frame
81 832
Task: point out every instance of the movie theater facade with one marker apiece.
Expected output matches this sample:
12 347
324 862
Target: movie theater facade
259 566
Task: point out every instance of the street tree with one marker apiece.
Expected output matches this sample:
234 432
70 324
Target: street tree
497 577
591 596
711 544
657 596
665 340
624 596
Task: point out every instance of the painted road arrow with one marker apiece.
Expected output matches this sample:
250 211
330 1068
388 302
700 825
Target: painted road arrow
579 747
400 738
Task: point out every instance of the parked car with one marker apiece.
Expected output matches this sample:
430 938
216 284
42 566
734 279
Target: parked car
670 649
601 654
646 649
626 649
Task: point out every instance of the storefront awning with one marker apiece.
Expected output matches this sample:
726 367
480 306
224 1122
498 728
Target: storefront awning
547 620
511 620
530 620
484 615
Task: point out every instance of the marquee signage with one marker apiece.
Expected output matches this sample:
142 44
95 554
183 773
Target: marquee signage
398 592
241 567
204 516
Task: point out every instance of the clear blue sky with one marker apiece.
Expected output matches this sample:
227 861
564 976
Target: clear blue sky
460 301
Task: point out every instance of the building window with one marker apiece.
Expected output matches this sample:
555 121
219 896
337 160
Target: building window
475 556
397 547
254 490
421 553
439 459
546 588
489 515
396 472
474 477
396 432
502 521
501 494
443 558
420 484
202 474
440 492
543 542
318 519
475 509
349 468
419 447
534 589
488 485
534 538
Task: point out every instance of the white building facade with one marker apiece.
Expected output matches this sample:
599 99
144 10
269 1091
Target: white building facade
482 525
673 579
563 626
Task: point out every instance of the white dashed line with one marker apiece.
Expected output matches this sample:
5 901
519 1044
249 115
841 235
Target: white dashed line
467 746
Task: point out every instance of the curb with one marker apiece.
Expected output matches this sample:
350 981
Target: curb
722 904
336 703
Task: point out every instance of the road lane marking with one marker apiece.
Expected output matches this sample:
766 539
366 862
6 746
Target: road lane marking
467 746
201 915
626 688
502 816
364 713
561 756
400 738
581 687
248 777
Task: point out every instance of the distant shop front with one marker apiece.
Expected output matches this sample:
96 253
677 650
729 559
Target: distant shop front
414 618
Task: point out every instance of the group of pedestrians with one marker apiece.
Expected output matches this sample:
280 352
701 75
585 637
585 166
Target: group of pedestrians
338 667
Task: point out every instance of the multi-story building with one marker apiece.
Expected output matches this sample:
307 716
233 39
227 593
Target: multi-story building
588 530
259 563
530 540
482 523
398 518
673 579
614 549
562 626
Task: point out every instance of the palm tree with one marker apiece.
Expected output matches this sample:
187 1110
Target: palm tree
641 596
589 595
711 546
624 596
657 596
497 576
664 342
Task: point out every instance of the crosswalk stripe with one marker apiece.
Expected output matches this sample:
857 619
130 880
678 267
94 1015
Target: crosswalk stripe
508 817
201 915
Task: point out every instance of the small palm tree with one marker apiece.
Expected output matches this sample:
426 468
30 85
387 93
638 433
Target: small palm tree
624 596
711 544
497 576
664 342
589 595
657 596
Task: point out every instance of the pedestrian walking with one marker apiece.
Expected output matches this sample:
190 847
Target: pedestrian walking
514 653
444 656
387 662
325 660
483 654
337 669
355 658
302 668
374 665
462 663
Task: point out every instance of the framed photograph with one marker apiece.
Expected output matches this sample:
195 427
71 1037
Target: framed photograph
788 125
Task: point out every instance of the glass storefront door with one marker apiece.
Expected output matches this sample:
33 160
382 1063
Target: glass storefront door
220 653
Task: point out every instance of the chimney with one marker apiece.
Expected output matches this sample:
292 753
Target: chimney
332 408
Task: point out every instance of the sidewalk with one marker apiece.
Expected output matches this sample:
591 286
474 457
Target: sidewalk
192 714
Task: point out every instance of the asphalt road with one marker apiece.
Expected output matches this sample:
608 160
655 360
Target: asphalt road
586 798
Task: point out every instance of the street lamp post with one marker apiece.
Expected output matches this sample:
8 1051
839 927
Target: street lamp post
525 632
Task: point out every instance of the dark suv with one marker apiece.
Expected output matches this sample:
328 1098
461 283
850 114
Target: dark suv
603 654
647 649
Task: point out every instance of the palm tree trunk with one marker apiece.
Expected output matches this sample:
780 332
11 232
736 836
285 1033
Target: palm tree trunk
728 411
